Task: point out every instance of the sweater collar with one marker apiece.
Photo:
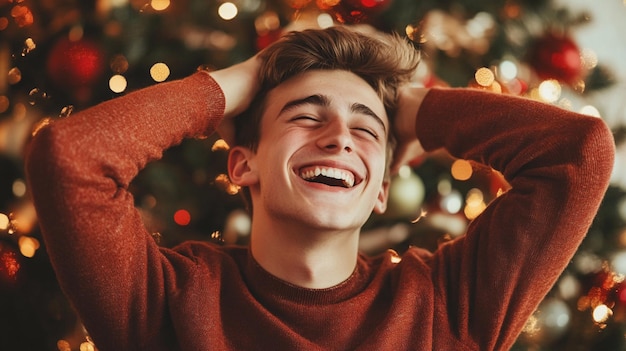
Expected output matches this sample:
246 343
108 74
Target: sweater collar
267 287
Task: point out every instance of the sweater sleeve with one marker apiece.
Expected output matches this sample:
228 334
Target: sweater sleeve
558 164
79 170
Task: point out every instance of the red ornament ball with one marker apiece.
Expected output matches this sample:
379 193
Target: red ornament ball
556 57
266 39
75 64
357 11
370 6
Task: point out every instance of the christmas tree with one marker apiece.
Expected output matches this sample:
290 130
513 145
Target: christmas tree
60 56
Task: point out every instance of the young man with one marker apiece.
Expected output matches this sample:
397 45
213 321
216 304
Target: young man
319 111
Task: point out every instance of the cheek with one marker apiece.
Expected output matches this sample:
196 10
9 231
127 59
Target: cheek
375 157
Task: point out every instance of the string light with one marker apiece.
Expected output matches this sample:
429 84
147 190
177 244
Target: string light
159 72
324 20
507 70
14 75
266 22
63 345
461 169
601 313
28 246
19 188
29 45
66 111
227 11
159 5
549 90
4 221
220 145
182 217
224 182
474 204
118 83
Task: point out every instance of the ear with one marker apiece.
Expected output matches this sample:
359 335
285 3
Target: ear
381 202
241 169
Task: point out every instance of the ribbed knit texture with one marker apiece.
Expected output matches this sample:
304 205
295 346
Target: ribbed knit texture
474 293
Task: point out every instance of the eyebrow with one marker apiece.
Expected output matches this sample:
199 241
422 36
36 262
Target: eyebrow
324 101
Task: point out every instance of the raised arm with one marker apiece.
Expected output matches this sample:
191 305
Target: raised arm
79 170
558 164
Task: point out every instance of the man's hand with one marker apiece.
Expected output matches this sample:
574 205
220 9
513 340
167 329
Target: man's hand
240 83
409 147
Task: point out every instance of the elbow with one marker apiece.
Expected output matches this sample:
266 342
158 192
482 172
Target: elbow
43 154
604 144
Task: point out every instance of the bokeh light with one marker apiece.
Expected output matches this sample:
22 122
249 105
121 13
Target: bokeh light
507 70
182 217
549 90
4 221
160 5
227 11
159 72
118 83
484 76
461 169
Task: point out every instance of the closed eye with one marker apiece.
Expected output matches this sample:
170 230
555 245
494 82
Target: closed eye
368 131
305 119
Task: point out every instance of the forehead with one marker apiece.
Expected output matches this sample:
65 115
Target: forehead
343 87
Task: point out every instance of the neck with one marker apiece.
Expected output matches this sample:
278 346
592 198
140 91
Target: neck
314 259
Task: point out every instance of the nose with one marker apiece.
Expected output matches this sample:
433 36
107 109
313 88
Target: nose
335 137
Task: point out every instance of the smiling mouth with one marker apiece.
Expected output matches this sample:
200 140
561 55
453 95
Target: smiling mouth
328 175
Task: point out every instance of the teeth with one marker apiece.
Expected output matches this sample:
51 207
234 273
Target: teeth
346 177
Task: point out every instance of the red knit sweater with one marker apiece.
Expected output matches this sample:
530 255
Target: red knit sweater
474 293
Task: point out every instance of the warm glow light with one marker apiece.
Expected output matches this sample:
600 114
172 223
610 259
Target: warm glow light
66 111
28 246
508 70
118 83
14 75
4 23
159 72
119 64
224 182
182 217
452 202
267 22
227 11
484 76
590 111
549 90
19 188
160 5
474 204
87 346
326 4
4 103
325 20
601 313
29 45
63 345
394 257
4 221
461 170
220 144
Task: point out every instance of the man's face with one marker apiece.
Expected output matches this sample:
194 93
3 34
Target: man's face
321 156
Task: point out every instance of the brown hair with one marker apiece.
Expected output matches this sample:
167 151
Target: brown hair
384 61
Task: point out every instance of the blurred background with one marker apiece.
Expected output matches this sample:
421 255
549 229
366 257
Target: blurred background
58 57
